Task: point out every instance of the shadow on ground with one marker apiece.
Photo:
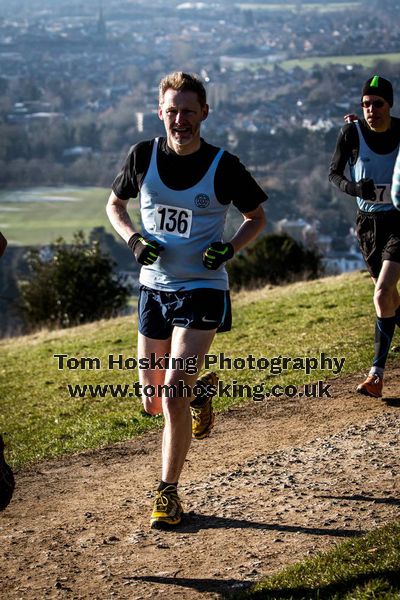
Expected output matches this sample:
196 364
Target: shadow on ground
362 498
216 586
194 522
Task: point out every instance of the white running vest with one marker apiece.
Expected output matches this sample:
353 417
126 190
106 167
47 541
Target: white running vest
378 167
185 223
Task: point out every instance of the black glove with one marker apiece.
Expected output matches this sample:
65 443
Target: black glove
216 254
145 251
7 482
365 188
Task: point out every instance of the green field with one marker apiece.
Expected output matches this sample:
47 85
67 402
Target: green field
318 7
41 215
365 60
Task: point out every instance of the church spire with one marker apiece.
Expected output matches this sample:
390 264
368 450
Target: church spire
101 24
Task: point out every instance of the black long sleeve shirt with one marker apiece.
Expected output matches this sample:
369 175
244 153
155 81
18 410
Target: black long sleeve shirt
347 147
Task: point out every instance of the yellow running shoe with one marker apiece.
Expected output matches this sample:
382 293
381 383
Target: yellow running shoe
201 407
167 509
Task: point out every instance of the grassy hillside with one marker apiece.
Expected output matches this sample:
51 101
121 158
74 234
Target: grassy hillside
41 215
40 419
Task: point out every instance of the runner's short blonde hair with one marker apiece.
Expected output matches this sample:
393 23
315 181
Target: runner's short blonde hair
182 82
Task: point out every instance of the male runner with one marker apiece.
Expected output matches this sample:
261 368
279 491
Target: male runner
370 148
186 186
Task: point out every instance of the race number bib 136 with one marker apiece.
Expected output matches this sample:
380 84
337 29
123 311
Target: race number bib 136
382 193
172 220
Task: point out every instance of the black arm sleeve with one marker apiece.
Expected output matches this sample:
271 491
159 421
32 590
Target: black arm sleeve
233 183
128 181
346 150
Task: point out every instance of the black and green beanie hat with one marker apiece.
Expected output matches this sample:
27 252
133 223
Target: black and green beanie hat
378 86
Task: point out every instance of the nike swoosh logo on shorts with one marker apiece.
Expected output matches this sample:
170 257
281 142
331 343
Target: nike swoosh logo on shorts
209 320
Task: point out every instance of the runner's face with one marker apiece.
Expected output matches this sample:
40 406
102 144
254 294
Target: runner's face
182 114
378 119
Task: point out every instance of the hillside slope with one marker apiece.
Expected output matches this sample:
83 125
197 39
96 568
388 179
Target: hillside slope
315 321
278 479
275 482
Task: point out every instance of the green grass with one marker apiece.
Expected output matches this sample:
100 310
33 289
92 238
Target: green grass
365 60
361 569
41 215
40 420
316 7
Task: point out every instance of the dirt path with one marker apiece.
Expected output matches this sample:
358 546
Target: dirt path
276 482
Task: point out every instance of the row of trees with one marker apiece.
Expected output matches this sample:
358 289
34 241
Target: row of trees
48 137
295 179
87 170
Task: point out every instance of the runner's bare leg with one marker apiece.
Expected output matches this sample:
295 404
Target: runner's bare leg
154 377
177 435
178 421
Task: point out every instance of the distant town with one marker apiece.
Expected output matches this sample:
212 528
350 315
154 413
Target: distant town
78 87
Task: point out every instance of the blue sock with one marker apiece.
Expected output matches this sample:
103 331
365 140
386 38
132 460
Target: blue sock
384 329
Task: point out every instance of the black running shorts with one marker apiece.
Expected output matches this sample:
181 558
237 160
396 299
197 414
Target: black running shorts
379 238
203 308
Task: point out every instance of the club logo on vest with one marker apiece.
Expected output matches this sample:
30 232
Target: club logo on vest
202 200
